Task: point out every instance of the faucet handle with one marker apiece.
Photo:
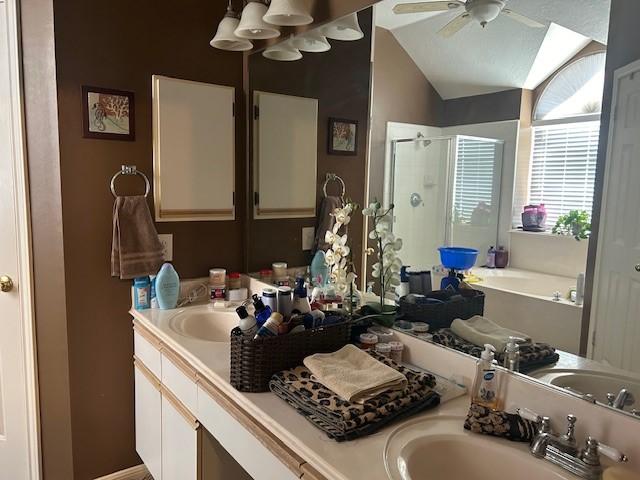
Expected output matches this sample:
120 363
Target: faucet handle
610 399
612 453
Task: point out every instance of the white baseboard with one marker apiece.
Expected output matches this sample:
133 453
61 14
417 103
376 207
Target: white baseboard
139 472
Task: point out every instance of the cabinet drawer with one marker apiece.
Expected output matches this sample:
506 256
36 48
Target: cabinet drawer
180 443
180 379
147 353
250 453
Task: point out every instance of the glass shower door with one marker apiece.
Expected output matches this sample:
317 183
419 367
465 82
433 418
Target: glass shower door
419 191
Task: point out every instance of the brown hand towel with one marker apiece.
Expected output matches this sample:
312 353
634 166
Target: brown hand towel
136 250
325 221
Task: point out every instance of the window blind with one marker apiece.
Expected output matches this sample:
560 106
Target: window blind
475 166
563 167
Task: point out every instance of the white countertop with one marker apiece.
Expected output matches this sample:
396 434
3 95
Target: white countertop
357 459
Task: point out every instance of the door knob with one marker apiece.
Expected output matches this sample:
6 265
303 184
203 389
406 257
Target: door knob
6 284
638 267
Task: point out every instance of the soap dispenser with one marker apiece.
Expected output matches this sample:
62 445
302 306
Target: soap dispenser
300 299
486 387
512 354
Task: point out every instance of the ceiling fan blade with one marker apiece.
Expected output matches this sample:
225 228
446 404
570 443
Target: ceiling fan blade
522 19
455 25
421 7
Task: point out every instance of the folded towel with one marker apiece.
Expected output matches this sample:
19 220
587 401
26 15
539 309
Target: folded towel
325 221
532 355
480 330
342 420
486 421
136 250
354 374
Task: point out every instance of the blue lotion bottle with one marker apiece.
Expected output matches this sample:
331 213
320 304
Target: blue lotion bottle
167 287
262 311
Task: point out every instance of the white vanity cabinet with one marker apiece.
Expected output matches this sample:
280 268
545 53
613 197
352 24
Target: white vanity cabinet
148 411
181 442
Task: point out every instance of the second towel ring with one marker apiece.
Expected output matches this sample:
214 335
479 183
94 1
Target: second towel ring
130 170
335 178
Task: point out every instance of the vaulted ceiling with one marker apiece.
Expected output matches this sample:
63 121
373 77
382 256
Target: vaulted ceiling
503 55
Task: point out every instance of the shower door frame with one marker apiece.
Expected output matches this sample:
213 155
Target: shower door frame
453 153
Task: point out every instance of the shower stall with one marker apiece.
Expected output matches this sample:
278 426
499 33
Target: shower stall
446 191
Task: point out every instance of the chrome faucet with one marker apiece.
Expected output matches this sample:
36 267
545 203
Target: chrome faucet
562 450
623 399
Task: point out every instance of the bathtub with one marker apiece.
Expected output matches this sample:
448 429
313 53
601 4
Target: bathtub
523 300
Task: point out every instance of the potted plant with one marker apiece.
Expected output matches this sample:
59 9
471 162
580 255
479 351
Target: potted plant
387 268
575 223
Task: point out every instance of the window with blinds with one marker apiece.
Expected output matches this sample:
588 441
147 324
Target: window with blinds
474 181
563 167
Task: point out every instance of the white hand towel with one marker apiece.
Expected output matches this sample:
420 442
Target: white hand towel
354 374
480 330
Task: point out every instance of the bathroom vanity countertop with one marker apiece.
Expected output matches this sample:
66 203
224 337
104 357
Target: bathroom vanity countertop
357 459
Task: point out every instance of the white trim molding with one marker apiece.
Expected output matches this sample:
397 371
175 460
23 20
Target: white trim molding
139 472
23 229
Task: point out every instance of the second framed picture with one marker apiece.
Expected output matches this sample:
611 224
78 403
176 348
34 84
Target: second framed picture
108 114
343 136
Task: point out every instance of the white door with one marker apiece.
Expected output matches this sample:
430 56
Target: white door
18 460
615 332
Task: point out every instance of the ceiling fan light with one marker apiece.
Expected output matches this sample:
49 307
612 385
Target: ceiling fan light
312 42
289 13
252 25
486 11
226 39
345 28
282 52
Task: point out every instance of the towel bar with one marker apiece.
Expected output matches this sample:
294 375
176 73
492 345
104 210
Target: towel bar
336 178
130 170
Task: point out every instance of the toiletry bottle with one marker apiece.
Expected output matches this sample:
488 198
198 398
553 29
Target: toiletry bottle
270 298
271 326
141 293
491 258
502 257
153 299
167 287
300 299
263 312
247 322
403 289
580 289
486 385
512 354
284 301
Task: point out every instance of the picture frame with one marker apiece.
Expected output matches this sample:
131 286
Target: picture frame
342 136
108 114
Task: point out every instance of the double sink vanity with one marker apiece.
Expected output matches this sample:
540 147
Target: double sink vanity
191 422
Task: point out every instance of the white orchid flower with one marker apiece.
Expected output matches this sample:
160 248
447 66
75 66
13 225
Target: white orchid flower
329 258
330 237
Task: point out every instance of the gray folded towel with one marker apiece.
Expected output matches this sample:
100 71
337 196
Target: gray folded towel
325 221
480 331
136 250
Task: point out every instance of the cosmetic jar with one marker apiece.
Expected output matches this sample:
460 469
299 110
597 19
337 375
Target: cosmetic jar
217 276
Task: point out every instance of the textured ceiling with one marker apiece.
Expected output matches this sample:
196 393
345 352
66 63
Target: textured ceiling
501 56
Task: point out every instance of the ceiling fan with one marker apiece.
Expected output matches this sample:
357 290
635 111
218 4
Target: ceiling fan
482 11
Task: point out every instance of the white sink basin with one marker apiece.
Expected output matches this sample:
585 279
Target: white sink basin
438 448
204 324
596 383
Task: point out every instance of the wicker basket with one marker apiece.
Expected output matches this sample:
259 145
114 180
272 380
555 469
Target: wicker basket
253 362
440 315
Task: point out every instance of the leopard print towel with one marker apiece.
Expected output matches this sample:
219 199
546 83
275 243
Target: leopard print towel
483 420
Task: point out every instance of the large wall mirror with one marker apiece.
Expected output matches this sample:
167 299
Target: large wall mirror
481 133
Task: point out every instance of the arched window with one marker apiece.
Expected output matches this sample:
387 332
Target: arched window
566 131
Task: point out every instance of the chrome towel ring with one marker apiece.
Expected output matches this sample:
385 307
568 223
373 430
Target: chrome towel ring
130 170
333 177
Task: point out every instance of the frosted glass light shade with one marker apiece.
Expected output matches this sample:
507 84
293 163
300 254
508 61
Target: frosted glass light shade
345 28
252 25
288 13
226 39
282 52
312 42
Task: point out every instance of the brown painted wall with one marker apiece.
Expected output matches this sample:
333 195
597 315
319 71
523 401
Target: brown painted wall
340 80
401 93
492 107
120 44
623 47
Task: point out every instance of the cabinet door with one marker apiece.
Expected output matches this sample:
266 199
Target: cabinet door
148 405
180 441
